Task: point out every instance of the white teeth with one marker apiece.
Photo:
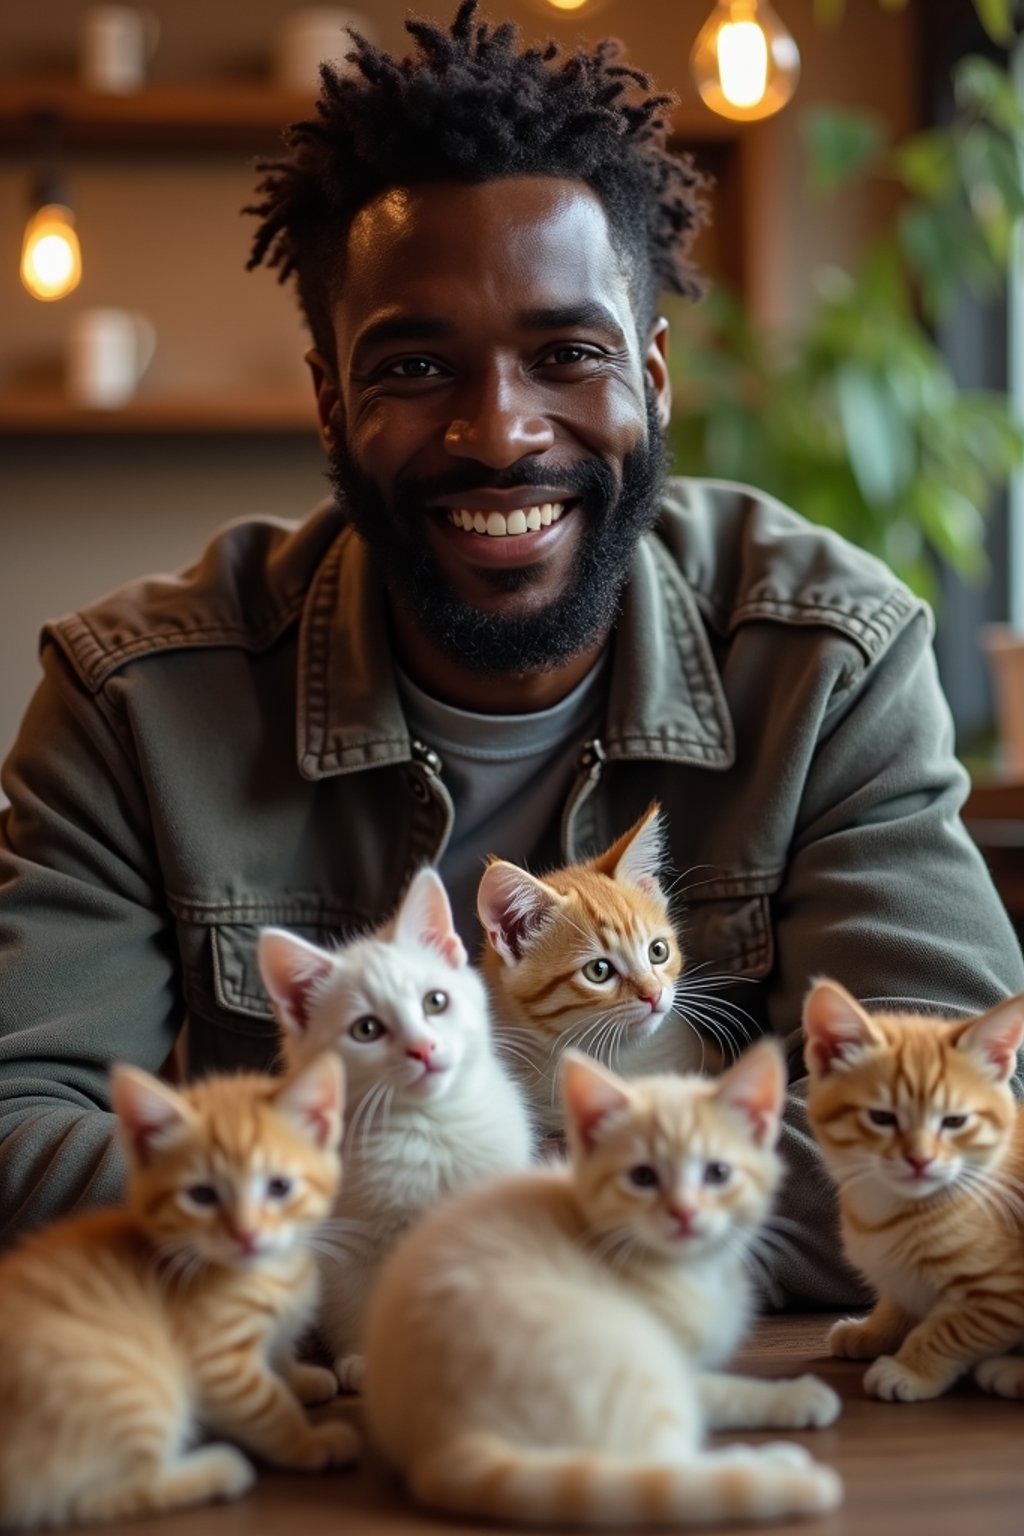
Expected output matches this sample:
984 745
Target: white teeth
497 526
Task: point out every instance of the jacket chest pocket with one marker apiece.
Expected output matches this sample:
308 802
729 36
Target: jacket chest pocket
727 945
230 1023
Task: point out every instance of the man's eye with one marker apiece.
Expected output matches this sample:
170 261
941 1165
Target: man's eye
562 356
414 368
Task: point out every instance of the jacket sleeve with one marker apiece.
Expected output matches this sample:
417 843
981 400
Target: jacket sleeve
87 970
885 892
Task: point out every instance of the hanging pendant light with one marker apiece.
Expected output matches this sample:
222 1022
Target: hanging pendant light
744 62
51 256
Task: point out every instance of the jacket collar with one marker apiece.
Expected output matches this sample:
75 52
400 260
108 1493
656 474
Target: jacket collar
666 700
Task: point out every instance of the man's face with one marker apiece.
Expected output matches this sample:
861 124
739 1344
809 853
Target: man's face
495 426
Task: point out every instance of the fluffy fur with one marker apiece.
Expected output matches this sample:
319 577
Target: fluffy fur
123 1332
922 1134
588 956
544 1348
430 1107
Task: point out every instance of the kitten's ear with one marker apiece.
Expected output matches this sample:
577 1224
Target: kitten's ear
993 1041
756 1085
639 853
590 1094
425 917
149 1111
315 1098
291 968
836 1028
511 906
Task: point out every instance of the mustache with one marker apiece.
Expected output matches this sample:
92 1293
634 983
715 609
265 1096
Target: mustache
589 479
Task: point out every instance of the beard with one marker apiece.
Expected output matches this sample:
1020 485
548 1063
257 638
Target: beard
615 517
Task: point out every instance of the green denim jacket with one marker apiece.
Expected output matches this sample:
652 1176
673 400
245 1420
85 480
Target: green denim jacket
225 748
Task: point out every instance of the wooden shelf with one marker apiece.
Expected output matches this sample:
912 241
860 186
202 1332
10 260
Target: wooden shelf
28 414
211 117
217 117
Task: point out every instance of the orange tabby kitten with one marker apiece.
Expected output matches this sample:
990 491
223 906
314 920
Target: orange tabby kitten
122 1332
586 956
925 1140
546 1347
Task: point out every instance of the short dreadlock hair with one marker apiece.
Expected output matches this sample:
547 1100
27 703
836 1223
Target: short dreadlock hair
472 107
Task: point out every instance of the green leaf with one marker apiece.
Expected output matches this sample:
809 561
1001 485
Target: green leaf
927 165
996 16
982 86
880 447
840 144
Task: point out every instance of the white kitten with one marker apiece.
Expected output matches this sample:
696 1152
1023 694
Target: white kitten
429 1107
546 1348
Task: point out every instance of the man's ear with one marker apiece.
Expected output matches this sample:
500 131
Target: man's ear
656 368
328 397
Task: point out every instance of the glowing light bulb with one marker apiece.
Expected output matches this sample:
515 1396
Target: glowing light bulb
51 258
744 62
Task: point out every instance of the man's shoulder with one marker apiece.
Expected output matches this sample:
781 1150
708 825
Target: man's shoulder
248 585
749 558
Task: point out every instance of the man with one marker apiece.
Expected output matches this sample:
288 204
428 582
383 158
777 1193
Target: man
506 633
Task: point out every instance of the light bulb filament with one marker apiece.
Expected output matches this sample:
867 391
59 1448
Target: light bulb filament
51 258
743 62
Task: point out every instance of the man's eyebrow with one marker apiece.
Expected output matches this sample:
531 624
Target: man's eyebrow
588 313
402 328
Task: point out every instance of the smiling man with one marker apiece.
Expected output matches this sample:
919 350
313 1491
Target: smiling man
507 632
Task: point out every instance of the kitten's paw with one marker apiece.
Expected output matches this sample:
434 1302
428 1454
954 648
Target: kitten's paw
339 1442
229 1472
349 1370
312 1383
893 1383
1003 1376
783 1453
853 1339
804 1403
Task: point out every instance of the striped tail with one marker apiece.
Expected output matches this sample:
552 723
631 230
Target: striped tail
482 1475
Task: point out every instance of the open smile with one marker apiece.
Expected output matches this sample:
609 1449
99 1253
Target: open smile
505 536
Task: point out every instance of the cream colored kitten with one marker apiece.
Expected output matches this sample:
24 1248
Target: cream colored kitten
546 1346
123 1332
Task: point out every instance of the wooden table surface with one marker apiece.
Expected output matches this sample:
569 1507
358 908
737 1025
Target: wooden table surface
954 1467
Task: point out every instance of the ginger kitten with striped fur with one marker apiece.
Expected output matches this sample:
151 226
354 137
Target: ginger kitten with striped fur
125 1332
921 1132
547 1346
587 956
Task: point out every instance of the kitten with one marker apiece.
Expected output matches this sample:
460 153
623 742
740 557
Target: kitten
122 1332
586 956
430 1108
920 1131
545 1348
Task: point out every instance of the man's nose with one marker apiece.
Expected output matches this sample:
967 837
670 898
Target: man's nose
501 428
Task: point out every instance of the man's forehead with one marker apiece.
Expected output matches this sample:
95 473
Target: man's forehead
544 239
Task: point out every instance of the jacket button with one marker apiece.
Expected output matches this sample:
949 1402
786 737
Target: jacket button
419 789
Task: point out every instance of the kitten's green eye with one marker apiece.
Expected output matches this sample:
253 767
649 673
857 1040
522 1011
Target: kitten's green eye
202 1194
365 1030
717 1173
953 1122
643 1176
598 970
435 1002
279 1188
882 1117
657 950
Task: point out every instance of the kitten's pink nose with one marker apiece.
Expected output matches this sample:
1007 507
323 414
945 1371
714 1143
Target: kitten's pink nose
422 1051
919 1164
654 998
684 1215
247 1241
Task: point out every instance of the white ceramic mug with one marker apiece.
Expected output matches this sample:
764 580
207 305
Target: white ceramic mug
309 35
108 352
117 43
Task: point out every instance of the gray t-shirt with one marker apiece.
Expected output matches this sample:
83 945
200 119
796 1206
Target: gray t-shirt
508 776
